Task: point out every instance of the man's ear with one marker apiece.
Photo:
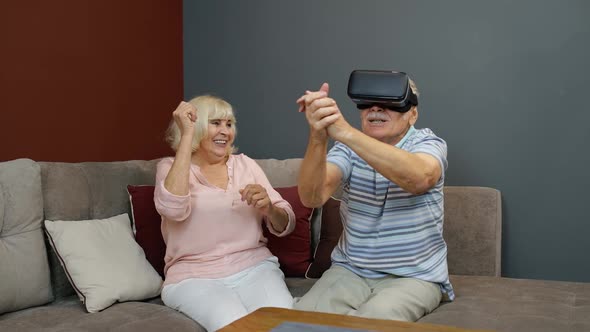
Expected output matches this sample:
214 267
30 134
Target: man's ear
413 115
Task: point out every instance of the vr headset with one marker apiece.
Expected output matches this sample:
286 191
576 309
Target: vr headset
387 89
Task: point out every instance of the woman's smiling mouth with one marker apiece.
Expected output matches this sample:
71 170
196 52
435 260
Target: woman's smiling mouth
220 142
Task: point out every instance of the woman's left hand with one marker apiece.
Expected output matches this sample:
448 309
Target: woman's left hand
256 196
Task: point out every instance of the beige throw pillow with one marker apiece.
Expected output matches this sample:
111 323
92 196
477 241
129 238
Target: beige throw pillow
103 261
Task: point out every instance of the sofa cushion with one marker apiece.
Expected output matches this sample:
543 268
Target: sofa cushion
24 271
280 173
293 250
84 191
103 261
515 305
68 315
146 225
473 230
299 286
330 231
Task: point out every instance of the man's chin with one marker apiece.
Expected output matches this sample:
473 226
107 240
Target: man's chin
375 133
381 137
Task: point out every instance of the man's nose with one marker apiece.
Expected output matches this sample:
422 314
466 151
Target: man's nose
377 108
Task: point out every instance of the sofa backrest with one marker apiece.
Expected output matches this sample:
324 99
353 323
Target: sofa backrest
95 190
472 225
24 273
83 191
473 230
281 173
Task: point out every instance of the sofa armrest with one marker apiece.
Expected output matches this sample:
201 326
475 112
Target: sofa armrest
473 230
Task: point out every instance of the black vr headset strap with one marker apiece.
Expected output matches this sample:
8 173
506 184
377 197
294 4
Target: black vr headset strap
412 101
412 97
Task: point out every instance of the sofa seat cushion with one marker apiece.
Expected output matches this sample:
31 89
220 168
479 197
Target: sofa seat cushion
24 271
511 305
69 315
299 286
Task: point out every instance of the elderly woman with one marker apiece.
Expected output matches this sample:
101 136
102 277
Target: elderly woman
212 204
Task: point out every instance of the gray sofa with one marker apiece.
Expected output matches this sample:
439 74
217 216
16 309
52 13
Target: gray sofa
36 295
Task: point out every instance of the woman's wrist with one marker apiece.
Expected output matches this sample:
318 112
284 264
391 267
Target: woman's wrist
281 218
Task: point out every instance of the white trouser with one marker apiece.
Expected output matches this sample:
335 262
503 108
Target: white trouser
214 303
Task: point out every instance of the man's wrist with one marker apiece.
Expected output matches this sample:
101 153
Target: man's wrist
318 136
346 136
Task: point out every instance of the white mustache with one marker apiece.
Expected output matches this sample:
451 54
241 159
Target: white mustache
377 116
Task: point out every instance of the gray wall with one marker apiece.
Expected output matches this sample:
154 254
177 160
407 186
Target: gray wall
505 83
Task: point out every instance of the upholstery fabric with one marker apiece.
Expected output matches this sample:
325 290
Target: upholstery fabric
473 230
280 173
84 191
299 286
24 271
515 305
68 315
505 304
492 303
146 225
330 231
293 250
104 263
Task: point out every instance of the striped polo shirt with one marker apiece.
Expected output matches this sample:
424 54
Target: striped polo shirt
388 231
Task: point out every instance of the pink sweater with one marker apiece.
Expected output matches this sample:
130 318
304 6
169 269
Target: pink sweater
211 232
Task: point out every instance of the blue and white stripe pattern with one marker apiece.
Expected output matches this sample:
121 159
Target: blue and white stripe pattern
386 229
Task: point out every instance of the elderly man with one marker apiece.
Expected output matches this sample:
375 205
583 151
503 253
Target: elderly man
391 259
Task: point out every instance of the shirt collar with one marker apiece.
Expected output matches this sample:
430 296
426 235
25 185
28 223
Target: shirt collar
406 136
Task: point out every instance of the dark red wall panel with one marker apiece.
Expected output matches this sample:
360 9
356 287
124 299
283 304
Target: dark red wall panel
88 80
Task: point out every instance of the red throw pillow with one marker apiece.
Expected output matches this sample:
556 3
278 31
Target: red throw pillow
293 250
330 231
147 225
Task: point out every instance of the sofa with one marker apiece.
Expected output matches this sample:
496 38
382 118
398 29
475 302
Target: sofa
36 294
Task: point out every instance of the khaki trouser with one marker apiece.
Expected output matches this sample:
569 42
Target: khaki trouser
341 291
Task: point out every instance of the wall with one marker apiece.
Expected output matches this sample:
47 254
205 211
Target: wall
503 82
88 80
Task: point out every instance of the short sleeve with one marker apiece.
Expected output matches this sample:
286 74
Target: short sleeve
433 145
340 155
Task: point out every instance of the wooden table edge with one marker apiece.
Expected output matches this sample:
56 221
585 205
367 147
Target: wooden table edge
267 318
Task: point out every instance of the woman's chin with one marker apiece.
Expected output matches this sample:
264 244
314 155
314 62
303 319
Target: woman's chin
219 151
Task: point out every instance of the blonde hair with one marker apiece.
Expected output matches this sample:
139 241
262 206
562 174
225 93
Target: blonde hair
208 108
